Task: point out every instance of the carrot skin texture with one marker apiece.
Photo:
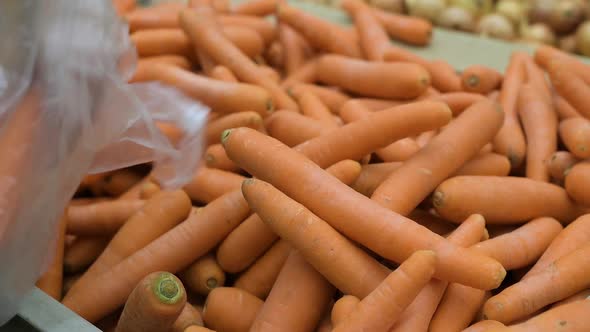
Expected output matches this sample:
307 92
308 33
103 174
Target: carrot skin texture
575 134
486 164
231 309
240 119
189 316
570 85
576 181
559 163
102 218
203 275
208 184
485 325
293 128
342 308
83 252
571 317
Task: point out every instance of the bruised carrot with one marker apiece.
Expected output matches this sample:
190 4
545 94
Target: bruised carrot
224 97
189 316
164 15
343 307
332 98
383 307
485 325
575 134
539 122
458 101
411 30
293 52
312 106
203 275
51 280
292 128
102 218
338 260
559 163
372 175
240 119
255 7
564 109
569 317
569 85
205 33
480 79
83 251
172 251
223 74
382 80
456 144
208 184
154 304
215 157
297 300
231 309
259 278
486 164
265 28
305 73
373 39
520 199
576 183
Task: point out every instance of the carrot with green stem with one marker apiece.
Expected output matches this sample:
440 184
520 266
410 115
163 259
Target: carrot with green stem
373 39
206 34
51 280
456 144
342 308
575 134
203 275
480 79
83 252
208 184
569 317
503 200
297 300
154 304
346 209
293 51
215 157
189 316
486 164
577 179
569 84
255 7
559 163
331 97
411 30
102 218
231 309
240 119
313 107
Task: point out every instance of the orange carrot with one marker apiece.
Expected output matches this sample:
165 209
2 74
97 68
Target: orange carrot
480 79
434 223
203 275
424 138
382 80
208 184
83 251
485 325
154 304
346 209
343 307
313 107
305 73
234 120
569 84
545 55
195 328
582 295
569 317
176 60
223 74
292 128
270 72
346 266
293 52
325 325
220 6
383 307
189 316
576 181
575 134
372 175
458 101
461 140
51 280
486 164
118 182
102 218
297 300
231 309
161 42
205 61
332 98
564 109
164 15
347 171
503 200
205 33
215 157
400 150
510 140
411 30
245 39
69 281
265 28
536 77
559 163
375 104
373 39
123 7
540 127
255 7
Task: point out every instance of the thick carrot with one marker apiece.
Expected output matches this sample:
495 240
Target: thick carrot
569 84
206 34
245 39
51 280
382 80
203 275
486 164
231 309
313 107
292 128
539 122
240 119
575 134
102 218
208 184
321 34
503 200
458 101
418 314
189 316
576 183
372 175
172 251
164 15
342 308
259 278
293 51
383 307
373 39
305 73
564 109
215 157
265 28
480 79
332 98
411 30
510 140
485 325
346 266
569 317
346 209
224 97
161 42
559 163
223 74
297 300
154 304
255 7
83 252
460 141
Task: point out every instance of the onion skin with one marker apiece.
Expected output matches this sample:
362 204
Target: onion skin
566 15
427 9
514 10
583 38
496 26
456 18
541 10
538 33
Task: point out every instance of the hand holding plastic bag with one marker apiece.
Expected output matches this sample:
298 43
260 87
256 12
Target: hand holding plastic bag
66 110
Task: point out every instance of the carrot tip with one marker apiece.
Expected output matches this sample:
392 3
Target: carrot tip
270 106
248 182
472 81
438 198
225 135
209 159
211 283
167 289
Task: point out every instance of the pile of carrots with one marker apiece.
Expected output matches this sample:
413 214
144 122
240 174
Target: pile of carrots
347 185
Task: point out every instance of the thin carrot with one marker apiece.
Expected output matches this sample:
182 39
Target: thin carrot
51 280
332 98
485 325
486 164
372 175
205 33
383 307
255 7
575 134
102 218
460 141
231 309
161 42
576 182
265 28
189 316
240 119
343 307
305 73
203 275
83 252
223 74
313 107
293 52
539 122
411 30
346 209
373 39
458 101
503 200
559 163
569 84
564 109
480 79
154 304
297 300
536 77
292 128
208 184
569 317
215 157
154 17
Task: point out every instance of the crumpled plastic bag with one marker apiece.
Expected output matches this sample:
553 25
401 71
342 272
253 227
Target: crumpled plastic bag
66 111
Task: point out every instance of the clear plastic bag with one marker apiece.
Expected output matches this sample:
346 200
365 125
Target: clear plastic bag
65 111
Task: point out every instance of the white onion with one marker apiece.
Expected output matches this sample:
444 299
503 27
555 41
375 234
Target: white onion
538 33
566 15
513 10
495 25
475 7
427 9
583 38
456 18
395 6
541 10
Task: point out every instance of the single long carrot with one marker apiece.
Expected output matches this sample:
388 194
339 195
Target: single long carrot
411 30
383 307
154 304
486 164
164 15
231 309
342 308
155 42
480 79
51 280
297 300
265 28
346 209
175 60
372 79
240 119
189 316
223 74
215 157
255 7
305 73
293 51
331 97
205 33
373 39
458 101
570 317
510 140
570 85
564 109
172 251
485 325
83 252
536 77
292 128
462 139
208 184
313 107
539 122
102 218
576 182
503 200
559 163
203 275
346 266
575 134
